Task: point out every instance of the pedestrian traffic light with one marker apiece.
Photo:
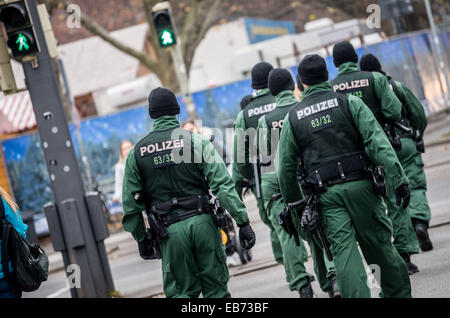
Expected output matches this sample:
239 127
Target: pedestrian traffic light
165 30
19 29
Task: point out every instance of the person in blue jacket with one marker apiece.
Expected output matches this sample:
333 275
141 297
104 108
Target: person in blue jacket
12 215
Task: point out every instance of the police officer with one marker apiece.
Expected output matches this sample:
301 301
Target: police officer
239 181
329 133
373 89
281 85
410 156
162 177
247 121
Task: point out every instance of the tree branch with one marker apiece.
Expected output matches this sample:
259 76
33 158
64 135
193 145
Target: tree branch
98 30
201 18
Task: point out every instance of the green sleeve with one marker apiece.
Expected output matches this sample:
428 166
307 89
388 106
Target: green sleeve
416 113
241 148
219 180
237 179
132 212
263 136
288 160
376 143
390 104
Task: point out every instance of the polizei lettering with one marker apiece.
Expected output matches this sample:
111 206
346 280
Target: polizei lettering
161 146
315 108
277 124
351 85
261 110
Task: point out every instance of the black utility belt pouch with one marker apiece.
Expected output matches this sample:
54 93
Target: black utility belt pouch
191 206
343 169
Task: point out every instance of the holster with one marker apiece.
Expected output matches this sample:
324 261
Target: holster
379 181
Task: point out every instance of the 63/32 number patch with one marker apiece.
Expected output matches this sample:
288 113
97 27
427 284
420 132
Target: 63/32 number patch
162 159
321 121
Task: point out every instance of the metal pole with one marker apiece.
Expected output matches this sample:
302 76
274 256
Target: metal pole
438 49
180 70
67 185
77 128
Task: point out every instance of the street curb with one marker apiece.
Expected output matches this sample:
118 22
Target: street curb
437 163
438 142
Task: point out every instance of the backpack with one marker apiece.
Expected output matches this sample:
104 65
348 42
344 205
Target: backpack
29 261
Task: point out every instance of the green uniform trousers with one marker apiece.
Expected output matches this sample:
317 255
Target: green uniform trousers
324 269
411 160
405 239
294 256
276 248
351 213
193 260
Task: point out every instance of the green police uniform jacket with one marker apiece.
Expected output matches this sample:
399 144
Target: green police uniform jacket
411 105
151 169
372 87
371 135
267 125
272 122
260 104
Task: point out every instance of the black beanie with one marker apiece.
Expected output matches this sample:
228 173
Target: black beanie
280 80
299 83
245 100
260 75
370 63
162 101
344 52
313 70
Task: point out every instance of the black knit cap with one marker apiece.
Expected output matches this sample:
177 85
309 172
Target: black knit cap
313 70
344 52
370 63
280 80
245 100
299 83
162 101
260 75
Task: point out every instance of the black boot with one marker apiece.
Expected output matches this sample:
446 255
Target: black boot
306 291
412 268
334 292
422 235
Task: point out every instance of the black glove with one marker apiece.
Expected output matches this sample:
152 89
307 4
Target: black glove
402 192
247 237
310 219
146 250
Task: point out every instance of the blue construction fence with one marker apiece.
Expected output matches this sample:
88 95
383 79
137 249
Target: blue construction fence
407 59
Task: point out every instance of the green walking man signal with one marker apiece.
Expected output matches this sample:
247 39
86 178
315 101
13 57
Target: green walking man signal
166 38
19 29
164 27
22 42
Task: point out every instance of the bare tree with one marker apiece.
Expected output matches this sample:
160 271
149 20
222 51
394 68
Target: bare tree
197 21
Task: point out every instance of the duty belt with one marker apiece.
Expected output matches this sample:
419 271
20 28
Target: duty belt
191 206
343 169
408 135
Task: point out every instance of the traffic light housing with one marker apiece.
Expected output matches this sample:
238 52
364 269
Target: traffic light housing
164 27
19 29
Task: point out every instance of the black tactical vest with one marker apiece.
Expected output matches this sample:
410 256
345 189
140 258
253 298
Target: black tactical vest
163 178
324 129
274 121
360 84
259 106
